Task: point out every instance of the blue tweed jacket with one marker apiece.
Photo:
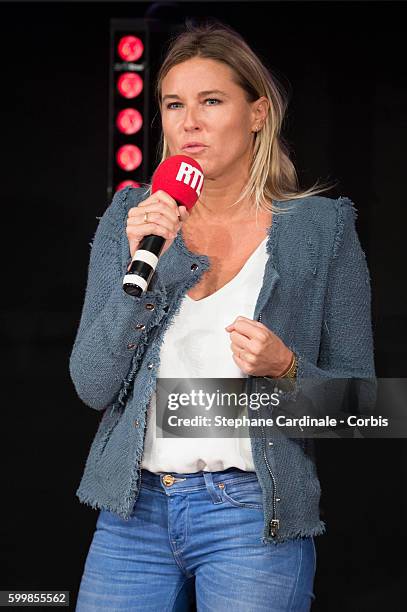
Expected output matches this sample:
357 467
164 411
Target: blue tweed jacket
315 296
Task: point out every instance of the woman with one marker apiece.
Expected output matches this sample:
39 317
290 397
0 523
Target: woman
260 281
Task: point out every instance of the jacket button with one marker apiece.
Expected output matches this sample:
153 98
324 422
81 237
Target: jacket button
150 306
271 443
150 366
136 423
140 326
194 266
131 345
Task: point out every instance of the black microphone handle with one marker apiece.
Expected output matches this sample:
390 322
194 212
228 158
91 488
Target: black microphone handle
139 275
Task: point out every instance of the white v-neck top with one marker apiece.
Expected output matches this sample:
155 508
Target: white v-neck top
196 345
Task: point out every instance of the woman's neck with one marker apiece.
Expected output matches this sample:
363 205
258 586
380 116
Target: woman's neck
215 203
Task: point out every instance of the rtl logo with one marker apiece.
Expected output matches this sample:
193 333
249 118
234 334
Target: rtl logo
190 176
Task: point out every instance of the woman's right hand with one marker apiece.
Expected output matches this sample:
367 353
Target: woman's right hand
164 219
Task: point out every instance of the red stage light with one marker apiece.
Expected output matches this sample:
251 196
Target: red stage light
129 157
130 48
130 84
129 121
124 184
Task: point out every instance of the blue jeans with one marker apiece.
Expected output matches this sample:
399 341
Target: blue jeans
206 527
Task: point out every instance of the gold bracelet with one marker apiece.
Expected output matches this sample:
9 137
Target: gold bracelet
292 368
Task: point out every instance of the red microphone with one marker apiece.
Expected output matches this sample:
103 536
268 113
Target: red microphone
182 178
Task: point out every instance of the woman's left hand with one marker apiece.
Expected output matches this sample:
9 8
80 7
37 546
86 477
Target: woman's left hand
257 350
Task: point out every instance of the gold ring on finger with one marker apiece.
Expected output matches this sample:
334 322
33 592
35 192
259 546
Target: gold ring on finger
146 217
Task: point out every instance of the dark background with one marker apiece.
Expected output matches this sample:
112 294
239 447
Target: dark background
344 63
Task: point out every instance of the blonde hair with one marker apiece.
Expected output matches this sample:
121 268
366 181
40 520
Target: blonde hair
272 175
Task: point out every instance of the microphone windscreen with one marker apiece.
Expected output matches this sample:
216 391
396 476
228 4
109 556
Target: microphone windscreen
181 177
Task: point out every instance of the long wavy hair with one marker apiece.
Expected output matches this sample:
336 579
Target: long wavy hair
272 175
